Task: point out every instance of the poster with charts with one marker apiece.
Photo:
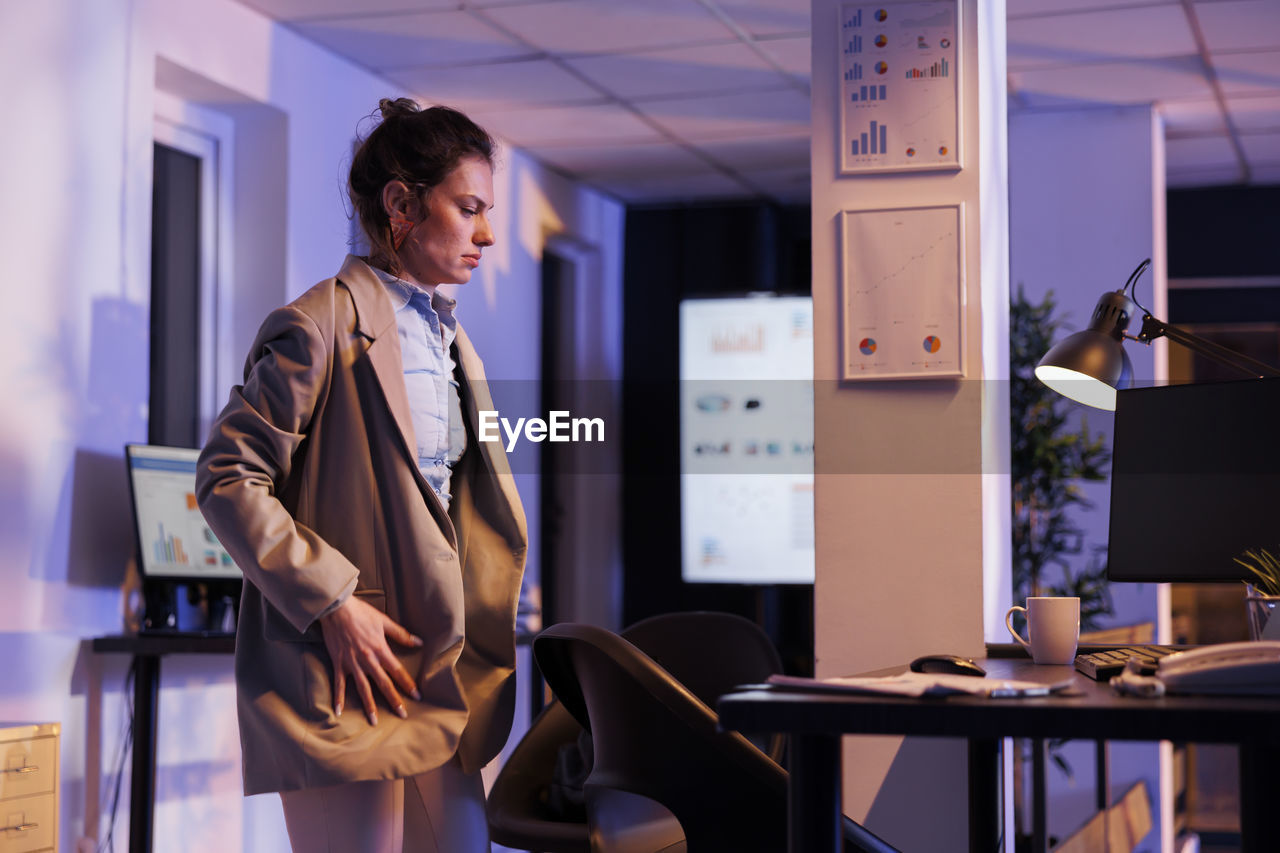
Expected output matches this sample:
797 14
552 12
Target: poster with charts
899 101
902 293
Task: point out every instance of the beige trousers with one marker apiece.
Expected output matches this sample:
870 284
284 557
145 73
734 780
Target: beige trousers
437 812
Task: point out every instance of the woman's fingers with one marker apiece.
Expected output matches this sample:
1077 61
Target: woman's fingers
339 688
399 633
366 695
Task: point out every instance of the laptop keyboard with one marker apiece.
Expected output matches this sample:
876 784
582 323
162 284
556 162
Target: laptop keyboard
1102 665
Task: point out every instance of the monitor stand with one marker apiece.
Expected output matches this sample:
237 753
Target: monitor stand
179 607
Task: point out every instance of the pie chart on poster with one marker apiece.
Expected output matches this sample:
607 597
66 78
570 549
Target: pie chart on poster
867 346
932 343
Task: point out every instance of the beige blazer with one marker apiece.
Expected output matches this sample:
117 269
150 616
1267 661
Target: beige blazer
310 480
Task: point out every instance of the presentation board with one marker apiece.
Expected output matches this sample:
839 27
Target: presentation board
746 439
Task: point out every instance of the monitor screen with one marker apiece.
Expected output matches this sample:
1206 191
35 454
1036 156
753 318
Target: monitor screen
1195 477
746 439
174 542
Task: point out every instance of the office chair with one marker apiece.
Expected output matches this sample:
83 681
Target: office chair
709 652
655 738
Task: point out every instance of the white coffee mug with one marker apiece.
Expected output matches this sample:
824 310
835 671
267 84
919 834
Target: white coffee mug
1054 626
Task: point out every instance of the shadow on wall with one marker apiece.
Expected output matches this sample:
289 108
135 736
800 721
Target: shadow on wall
93 535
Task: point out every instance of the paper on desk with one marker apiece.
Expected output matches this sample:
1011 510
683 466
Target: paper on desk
921 684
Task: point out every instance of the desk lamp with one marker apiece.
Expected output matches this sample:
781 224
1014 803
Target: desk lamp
1090 365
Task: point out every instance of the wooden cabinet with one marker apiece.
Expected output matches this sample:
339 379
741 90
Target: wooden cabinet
29 787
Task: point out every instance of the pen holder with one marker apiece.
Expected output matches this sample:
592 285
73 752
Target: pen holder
1260 609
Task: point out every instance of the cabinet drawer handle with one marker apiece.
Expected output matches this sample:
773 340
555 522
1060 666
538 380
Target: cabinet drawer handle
22 827
30 768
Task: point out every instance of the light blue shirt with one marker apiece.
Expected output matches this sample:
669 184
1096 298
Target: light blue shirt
426 327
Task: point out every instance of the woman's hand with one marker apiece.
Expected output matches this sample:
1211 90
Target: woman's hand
356 634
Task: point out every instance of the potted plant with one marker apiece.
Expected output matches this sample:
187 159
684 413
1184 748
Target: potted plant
1049 457
1263 595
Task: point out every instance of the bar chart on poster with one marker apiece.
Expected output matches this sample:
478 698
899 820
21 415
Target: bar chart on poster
899 107
746 439
902 293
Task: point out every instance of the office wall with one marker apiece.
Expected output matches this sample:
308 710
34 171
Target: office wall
78 82
1086 205
912 507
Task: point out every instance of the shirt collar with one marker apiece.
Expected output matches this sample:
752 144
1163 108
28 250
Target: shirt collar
402 291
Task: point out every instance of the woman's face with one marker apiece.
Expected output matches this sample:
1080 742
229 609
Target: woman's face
444 245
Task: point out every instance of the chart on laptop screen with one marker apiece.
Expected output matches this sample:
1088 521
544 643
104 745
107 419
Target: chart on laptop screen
173 539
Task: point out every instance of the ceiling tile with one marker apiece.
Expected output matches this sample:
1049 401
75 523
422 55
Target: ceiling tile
1099 37
1240 24
793 55
1207 176
1255 71
675 188
1192 117
760 153
609 26
1023 8
601 124
616 161
749 113
680 71
495 86
1200 151
1261 147
400 41
291 10
1261 113
1137 82
768 17
790 186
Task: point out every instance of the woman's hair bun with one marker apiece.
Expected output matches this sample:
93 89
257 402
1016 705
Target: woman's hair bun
397 107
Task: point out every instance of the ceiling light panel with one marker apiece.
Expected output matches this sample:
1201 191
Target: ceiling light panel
611 26
390 42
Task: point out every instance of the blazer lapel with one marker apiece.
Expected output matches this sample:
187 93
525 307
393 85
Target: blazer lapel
376 321
477 399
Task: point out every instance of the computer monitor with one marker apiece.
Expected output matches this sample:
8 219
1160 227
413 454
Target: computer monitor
174 542
1195 480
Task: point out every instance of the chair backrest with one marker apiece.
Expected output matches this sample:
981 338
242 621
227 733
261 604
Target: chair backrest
709 652
654 737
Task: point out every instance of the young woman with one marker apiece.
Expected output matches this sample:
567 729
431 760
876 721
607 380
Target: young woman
382 545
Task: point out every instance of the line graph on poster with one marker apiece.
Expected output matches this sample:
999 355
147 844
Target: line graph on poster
902 293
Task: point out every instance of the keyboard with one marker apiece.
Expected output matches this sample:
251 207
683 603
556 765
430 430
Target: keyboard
1102 665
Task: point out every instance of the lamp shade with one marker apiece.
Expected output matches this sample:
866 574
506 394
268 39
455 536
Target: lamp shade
1089 366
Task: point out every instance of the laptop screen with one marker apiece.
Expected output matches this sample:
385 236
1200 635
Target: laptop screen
174 542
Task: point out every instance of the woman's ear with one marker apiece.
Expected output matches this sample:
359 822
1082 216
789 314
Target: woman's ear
397 197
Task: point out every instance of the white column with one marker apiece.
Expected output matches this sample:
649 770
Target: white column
912 510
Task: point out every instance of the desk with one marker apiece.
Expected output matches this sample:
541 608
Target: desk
147 651
1091 711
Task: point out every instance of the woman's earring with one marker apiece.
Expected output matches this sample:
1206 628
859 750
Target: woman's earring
400 228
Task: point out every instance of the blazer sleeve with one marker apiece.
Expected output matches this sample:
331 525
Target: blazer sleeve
249 458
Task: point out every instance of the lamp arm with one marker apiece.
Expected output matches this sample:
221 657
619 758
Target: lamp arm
1153 328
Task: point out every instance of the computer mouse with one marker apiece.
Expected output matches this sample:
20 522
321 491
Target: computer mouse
948 664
